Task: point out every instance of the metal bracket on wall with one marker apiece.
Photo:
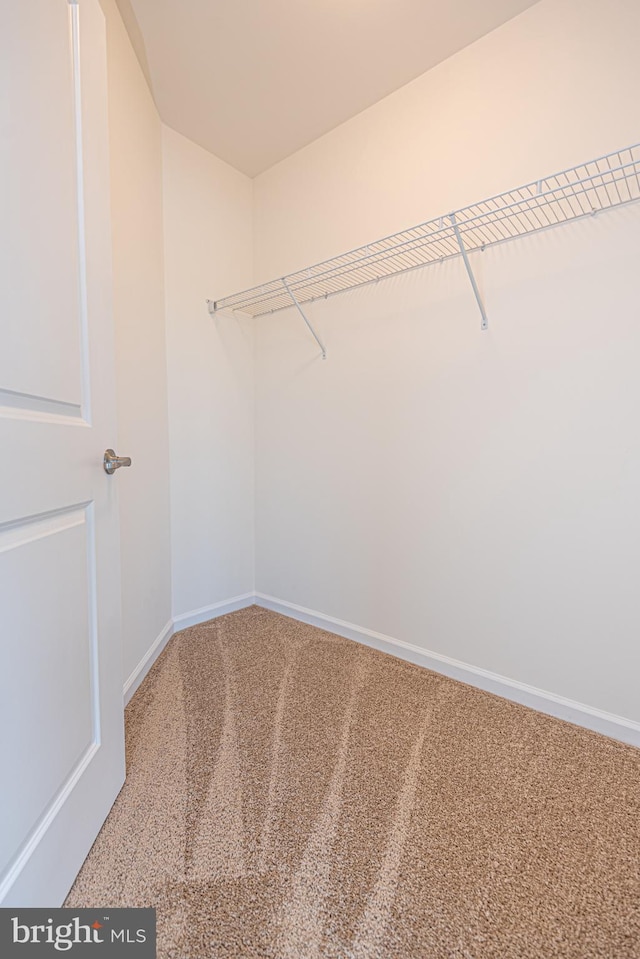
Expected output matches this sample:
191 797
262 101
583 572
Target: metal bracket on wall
211 306
304 317
456 229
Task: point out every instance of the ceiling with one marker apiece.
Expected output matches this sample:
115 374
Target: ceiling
253 81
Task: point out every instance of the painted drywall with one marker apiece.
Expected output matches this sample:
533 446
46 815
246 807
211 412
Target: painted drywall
138 297
547 90
208 252
470 493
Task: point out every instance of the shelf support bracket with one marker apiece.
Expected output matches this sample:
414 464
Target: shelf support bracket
456 229
304 317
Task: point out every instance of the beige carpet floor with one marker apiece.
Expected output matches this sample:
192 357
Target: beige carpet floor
293 795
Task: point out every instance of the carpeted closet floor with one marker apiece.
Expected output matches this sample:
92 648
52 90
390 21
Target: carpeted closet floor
291 794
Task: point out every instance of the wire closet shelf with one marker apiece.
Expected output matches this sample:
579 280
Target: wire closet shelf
581 191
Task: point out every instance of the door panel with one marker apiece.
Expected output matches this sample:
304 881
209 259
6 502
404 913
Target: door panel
39 264
52 635
61 715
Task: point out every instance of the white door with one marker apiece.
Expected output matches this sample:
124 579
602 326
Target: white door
61 716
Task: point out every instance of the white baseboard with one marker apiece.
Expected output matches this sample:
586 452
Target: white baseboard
609 724
147 662
197 616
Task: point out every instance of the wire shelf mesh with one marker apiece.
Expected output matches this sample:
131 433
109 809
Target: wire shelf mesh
584 190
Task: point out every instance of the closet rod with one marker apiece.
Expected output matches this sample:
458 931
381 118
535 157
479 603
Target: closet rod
584 190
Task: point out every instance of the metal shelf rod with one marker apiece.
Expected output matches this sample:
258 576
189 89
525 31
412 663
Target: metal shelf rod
584 190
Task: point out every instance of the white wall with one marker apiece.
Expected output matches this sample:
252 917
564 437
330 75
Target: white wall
138 271
473 494
208 252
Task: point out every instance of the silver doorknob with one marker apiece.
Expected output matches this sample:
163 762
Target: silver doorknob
112 462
